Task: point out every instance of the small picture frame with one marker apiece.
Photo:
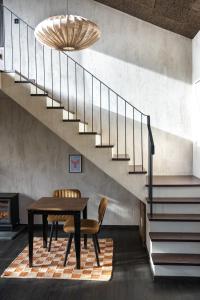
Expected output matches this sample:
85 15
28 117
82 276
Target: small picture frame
75 163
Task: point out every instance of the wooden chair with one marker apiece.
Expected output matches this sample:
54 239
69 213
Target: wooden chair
62 193
89 227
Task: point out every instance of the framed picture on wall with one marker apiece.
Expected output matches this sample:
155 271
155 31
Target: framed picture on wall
75 163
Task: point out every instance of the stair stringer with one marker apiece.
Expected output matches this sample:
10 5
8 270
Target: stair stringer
69 132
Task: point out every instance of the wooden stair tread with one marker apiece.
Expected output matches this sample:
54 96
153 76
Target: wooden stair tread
104 146
174 236
88 132
55 107
22 81
176 259
120 157
74 120
137 169
175 217
39 95
175 200
175 181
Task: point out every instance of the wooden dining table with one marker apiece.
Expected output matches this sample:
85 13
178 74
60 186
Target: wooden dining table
57 206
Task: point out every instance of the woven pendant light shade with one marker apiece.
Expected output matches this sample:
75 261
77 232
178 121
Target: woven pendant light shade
67 33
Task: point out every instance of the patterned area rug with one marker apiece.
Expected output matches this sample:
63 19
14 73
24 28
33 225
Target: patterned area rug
50 264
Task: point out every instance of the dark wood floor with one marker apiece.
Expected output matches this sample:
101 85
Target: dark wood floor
132 277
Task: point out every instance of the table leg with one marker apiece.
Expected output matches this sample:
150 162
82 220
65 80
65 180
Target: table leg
45 223
77 239
30 237
85 235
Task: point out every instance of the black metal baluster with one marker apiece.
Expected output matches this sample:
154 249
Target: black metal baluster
125 137
109 117
20 50
84 97
60 76
11 33
142 156
52 93
68 103
44 69
76 87
150 178
133 139
151 152
27 45
100 114
92 103
36 83
117 127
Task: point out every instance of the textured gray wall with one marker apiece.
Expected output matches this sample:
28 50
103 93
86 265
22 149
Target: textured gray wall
34 162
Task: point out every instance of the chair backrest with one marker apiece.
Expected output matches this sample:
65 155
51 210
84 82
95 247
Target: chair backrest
102 209
67 193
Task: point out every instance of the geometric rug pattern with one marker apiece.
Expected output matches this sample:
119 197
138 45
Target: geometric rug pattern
49 265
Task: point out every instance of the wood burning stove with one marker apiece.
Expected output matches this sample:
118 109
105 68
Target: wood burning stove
9 211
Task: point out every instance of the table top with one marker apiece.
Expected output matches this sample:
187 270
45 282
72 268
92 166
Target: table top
59 204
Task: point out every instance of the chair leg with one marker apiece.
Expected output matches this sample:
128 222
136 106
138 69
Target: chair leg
51 236
96 250
68 247
97 242
56 231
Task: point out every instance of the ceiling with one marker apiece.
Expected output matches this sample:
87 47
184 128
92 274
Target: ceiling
180 16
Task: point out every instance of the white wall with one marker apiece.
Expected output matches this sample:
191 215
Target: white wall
196 104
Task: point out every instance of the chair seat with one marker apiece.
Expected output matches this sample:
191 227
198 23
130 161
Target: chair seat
87 226
62 218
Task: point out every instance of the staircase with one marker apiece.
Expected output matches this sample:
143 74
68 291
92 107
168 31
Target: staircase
111 133
173 230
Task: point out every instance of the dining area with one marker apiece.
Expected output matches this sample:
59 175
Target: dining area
69 247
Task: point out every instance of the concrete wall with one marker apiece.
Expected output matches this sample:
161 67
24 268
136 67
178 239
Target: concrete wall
149 66
34 162
196 104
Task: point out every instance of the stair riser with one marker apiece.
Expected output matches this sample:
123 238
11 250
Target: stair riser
175 247
157 226
176 208
176 192
176 271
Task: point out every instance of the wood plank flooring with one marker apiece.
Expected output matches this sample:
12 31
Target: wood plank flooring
131 279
